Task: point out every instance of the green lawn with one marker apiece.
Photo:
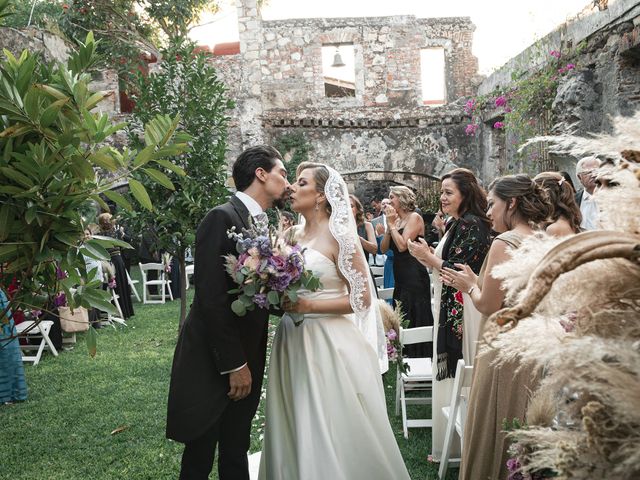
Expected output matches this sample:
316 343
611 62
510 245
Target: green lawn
64 429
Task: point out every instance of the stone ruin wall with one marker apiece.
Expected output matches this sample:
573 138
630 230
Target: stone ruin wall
277 83
604 44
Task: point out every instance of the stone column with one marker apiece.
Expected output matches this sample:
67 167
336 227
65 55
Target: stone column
249 101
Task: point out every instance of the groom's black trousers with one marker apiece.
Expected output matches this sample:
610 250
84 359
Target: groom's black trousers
231 433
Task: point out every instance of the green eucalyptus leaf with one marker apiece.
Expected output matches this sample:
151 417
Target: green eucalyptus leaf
238 308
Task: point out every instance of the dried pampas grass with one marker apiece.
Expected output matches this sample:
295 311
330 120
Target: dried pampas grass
625 137
576 317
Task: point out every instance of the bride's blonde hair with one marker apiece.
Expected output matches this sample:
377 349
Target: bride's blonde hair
320 176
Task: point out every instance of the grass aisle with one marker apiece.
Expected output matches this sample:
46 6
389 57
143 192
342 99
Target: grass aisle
63 430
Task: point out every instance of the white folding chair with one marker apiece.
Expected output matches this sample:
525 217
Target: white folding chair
419 379
377 271
379 281
188 272
385 293
132 284
456 414
36 331
161 282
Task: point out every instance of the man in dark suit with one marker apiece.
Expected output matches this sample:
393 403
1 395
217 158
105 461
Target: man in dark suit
219 359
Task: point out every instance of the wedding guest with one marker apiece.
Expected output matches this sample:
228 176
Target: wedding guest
380 225
568 179
412 285
586 173
123 290
498 392
365 229
287 220
466 240
565 217
13 387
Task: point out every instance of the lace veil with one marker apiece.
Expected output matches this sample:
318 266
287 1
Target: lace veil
353 266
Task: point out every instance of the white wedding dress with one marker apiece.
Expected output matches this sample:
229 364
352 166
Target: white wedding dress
326 415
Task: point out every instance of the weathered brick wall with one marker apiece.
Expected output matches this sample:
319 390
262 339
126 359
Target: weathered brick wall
604 45
278 85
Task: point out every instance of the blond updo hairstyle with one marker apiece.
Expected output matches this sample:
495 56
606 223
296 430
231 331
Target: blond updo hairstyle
405 196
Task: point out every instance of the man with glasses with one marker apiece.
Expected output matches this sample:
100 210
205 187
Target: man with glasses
586 173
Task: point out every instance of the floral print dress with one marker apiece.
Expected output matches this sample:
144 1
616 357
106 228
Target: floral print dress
468 242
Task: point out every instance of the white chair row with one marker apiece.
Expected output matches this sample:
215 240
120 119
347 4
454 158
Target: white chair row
416 388
38 332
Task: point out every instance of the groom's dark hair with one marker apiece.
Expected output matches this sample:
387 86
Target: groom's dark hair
244 168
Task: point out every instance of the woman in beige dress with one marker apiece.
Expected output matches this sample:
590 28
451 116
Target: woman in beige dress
515 204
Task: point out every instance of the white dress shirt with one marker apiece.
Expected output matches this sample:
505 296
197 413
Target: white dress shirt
254 210
589 210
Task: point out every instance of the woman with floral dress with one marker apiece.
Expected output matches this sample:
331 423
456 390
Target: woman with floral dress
457 322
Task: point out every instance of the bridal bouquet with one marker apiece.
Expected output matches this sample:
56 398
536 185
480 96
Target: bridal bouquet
268 269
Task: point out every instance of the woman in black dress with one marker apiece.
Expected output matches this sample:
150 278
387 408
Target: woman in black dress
123 290
365 229
413 287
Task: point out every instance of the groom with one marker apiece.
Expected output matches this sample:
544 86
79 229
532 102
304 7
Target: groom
219 359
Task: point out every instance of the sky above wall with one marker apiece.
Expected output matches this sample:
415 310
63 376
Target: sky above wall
503 27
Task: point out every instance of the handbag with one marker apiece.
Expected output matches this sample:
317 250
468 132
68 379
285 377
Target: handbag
73 321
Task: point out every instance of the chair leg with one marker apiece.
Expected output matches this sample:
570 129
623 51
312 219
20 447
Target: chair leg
398 386
170 292
446 449
403 404
45 336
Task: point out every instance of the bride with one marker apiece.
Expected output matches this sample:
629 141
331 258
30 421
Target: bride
325 408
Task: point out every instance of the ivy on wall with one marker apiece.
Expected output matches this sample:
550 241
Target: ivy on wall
524 109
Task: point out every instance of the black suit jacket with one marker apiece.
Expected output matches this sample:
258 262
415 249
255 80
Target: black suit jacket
578 197
213 339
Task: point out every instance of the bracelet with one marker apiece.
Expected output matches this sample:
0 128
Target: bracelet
470 291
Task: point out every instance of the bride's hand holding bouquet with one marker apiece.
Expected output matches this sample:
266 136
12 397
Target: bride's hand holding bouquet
269 270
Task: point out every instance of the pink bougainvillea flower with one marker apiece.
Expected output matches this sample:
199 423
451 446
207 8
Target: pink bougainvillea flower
470 106
498 125
471 129
555 53
507 110
570 66
501 101
562 70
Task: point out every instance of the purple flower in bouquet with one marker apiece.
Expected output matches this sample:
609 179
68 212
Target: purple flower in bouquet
392 335
112 283
501 101
60 300
261 300
498 125
267 269
555 53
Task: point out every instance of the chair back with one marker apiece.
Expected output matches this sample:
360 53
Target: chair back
145 267
385 293
409 336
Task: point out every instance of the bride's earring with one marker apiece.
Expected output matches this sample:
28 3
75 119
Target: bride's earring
317 206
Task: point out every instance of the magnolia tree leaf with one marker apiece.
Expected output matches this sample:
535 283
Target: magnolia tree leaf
140 193
92 341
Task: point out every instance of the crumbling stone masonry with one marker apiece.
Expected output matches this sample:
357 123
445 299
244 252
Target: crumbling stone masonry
277 82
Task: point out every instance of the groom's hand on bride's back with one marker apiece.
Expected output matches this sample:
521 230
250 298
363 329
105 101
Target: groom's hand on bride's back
240 383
